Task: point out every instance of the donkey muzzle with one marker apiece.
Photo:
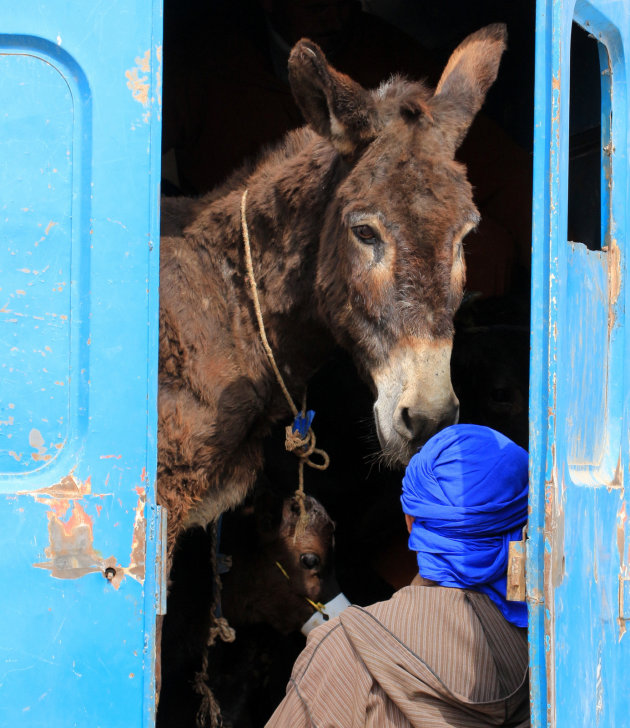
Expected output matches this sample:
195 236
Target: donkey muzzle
415 397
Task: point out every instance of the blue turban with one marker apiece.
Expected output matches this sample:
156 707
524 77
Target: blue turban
467 492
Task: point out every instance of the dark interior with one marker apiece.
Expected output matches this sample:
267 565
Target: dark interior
219 70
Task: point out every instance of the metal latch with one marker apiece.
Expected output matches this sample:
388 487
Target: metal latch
516 582
160 561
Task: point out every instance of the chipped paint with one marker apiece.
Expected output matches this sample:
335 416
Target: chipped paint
614 278
624 572
550 565
139 85
621 531
624 600
158 78
144 63
71 553
599 686
36 441
136 568
67 488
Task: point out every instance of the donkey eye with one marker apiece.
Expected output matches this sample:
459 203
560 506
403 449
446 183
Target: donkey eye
309 561
365 234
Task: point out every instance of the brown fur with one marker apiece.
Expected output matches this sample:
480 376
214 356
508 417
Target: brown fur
383 156
256 591
256 599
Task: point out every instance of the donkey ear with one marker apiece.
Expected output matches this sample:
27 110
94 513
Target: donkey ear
469 73
334 105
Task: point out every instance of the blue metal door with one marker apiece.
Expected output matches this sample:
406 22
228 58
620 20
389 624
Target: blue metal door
79 200
579 538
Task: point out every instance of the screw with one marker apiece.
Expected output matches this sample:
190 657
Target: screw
110 573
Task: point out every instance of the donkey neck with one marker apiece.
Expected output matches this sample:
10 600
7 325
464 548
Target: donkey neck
287 196
288 191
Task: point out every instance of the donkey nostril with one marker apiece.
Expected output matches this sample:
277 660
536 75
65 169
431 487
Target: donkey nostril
416 425
406 420
406 424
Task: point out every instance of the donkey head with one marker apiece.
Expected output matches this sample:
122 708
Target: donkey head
391 270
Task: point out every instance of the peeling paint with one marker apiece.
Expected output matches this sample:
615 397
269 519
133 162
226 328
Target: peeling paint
136 568
624 601
621 531
139 85
158 77
144 63
599 686
36 441
71 553
550 565
67 488
624 572
614 279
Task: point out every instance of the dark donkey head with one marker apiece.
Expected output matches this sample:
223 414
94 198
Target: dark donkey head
391 270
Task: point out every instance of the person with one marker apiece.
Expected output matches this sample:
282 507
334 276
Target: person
449 649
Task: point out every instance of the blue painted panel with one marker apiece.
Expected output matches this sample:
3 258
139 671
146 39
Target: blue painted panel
591 452
79 199
35 268
578 560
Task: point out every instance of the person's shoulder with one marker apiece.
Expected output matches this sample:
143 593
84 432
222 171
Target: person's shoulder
325 635
417 596
325 645
413 609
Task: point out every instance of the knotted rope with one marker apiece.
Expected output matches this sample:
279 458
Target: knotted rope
209 711
303 446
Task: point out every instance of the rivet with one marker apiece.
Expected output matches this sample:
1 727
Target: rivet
110 573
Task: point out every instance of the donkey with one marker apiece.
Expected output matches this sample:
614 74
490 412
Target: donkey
281 566
278 574
356 224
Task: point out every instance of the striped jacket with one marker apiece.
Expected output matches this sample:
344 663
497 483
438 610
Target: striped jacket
428 657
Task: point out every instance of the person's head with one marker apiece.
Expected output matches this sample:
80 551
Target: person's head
465 498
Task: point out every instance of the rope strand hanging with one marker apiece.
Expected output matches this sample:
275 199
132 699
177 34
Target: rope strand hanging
300 443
